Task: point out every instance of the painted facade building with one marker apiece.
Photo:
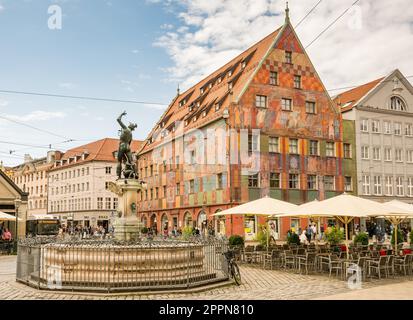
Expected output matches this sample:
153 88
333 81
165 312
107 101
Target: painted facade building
32 177
78 184
263 124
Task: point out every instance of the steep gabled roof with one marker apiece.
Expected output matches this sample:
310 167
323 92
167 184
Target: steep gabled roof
348 99
101 150
213 89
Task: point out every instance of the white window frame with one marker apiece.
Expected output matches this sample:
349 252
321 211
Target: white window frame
366 185
386 127
365 152
346 186
333 144
399 186
334 183
274 144
364 125
398 155
295 146
376 153
408 129
377 186
409 156
375 126
317 153
389 185
286 106
387 152
397 129
316 182
410 186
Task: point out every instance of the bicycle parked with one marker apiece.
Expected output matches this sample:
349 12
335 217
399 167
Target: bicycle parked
233 269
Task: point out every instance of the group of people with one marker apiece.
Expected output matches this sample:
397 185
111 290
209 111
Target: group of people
309 234
86 232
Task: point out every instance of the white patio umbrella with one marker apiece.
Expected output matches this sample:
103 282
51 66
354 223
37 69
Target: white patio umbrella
265 206
7 217
396 212
344 207
262 207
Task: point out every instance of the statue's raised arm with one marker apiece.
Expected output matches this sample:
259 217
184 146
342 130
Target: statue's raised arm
120 120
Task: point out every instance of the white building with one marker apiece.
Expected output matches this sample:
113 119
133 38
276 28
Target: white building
383 115
78 184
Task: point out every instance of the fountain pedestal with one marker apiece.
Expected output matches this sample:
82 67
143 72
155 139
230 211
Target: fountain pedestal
127 226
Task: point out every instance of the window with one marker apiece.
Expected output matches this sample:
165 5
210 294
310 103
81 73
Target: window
399 186
364 125
151 170
377 185
297 82
253 143
364 152
314 148
219 181
347 150
260 101
348 183
273 144
253 181
312 182
366 185
293 181
375 126
293 146
329 183
388 185
275 180
151 194
286 104
310 107
410 187
376 153
115 203
177 162
387 127
397 128
398 155
100 203
387 154
273 78
330 149
157 193
178 189
193 157
409 129
409 156
191 186
397 104
108 203
288 57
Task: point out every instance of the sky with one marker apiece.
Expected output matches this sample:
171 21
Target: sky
142 50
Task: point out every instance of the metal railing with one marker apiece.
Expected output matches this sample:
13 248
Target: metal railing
112 266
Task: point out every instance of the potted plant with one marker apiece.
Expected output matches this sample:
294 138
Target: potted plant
400 237
144 230
236 241
362 237
334 236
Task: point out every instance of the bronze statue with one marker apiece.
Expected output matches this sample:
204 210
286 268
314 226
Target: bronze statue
124 153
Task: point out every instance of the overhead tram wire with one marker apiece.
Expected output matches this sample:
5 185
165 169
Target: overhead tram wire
53 95
332 23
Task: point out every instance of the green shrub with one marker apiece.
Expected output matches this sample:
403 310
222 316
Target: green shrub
262 238
293 238
144 230
362 237
400 236
187 232
236 240
334 235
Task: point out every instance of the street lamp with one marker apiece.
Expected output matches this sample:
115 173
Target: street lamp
17 203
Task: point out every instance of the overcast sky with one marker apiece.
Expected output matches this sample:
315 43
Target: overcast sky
141 50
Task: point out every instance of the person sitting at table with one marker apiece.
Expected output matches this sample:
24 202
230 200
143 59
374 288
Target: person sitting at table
6 235
303 238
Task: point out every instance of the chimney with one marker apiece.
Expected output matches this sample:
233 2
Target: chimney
27 158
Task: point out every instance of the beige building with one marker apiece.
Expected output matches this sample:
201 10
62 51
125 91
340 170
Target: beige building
78 184
32 177
12 200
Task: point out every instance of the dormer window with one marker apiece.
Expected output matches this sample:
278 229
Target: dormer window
230 73
210 85
243 65
396 103
219 79
288 57
198 104
191 107
194 119
186 122
204 114
230 85
217 106
202 90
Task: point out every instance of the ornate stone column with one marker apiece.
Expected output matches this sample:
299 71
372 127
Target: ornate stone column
127 225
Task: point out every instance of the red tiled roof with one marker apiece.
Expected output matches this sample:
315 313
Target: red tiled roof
213 90
101 150
348 99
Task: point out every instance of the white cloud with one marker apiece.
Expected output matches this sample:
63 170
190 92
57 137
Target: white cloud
4 103
38 115
371 40
135 51
167 26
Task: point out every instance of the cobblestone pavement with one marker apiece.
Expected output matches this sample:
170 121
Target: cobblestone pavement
257 284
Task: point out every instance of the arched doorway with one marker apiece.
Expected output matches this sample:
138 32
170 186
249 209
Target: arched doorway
187 219
154 223
202 222
144 221
165 222
220 224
